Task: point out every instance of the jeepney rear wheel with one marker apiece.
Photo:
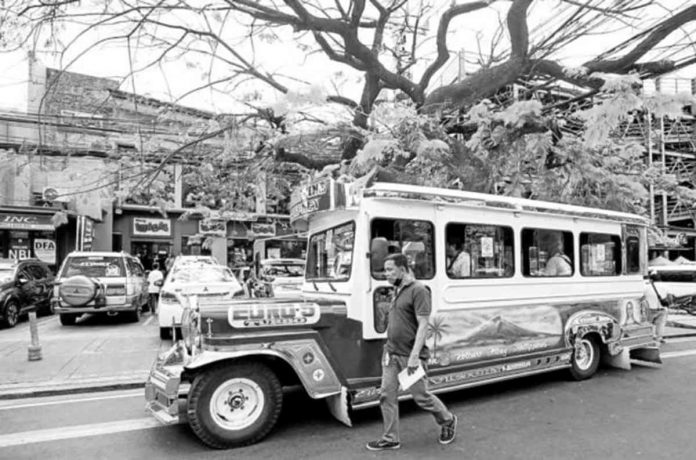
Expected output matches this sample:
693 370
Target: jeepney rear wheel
234 406
585 359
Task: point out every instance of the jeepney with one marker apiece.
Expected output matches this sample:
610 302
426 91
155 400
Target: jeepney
502 315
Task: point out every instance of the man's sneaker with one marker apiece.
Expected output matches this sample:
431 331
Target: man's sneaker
383 444
449 431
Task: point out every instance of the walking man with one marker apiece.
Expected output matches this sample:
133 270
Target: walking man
405 349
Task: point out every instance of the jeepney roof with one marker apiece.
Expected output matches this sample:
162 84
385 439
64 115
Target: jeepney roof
386 190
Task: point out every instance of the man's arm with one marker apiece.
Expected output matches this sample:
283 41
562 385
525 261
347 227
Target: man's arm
421 333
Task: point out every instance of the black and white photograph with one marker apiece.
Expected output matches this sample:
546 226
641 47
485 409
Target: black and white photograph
347 229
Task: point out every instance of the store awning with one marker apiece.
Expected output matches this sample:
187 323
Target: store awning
25 221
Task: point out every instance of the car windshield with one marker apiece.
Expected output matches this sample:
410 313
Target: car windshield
94 266
6 274
330 253
291 270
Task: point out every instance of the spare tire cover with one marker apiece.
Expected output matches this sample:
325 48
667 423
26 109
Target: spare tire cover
77 290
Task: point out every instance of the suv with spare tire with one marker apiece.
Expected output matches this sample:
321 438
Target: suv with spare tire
100 282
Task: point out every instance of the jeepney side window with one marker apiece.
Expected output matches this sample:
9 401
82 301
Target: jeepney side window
479 251
330 253
632 255
547 253
600 254
413 238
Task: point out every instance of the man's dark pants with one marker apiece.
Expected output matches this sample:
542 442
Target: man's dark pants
389 403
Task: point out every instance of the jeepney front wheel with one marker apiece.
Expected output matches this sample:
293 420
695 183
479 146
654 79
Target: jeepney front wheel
585 359
234 406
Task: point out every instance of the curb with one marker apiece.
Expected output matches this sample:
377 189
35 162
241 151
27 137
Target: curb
76 388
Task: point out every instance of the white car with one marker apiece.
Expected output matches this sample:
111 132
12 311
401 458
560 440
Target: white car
203 280
284 277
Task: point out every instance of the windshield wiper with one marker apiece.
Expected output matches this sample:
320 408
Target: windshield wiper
331 286
316 288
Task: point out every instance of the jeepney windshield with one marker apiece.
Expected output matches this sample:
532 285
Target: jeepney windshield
330 253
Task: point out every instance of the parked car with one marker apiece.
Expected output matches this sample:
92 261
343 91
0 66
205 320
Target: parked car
24 285
207 281
100 282
282 277
674 282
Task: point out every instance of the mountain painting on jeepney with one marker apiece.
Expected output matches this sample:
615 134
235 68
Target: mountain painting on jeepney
473 335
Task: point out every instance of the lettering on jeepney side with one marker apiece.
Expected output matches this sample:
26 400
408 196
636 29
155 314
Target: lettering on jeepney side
261 315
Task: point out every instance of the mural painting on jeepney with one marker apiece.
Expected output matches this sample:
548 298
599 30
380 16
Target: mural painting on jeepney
474 335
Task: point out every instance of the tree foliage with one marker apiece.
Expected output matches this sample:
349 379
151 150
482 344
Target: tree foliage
402 48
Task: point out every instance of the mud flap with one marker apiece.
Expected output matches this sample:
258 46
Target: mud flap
338 406
621 360
648 355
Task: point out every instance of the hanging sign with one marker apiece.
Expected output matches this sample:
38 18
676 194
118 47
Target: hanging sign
212 227
151 227
259 229
45 250
321 195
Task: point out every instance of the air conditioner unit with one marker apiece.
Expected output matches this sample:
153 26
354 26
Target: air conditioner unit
53 194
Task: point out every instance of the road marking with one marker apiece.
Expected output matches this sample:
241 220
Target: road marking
149 320
79 431
677 354
129 394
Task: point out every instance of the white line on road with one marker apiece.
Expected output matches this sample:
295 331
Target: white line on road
79 431
129 394
677 354
149 320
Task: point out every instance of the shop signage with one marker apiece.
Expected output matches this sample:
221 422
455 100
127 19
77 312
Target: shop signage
45 250
259 229
151 227
19 251
25 221
321 195
212 227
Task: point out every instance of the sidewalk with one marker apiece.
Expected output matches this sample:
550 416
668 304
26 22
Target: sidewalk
86 361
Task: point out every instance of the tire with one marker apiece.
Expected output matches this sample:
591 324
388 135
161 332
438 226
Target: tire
11 314
585 364
165 333
68 319
133 316
254 391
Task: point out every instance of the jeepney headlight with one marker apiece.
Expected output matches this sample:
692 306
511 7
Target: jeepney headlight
191 327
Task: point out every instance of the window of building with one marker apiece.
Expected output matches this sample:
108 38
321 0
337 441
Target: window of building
547 253
413 238
479 251
632 254
600 254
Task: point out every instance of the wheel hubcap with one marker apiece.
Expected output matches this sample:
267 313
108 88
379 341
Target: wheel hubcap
237 403
584 354
12 314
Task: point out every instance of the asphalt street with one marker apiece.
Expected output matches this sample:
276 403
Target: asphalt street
643 413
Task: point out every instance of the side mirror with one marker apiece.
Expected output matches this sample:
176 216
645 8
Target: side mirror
159 283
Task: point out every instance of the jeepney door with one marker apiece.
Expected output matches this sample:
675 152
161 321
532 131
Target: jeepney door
398 227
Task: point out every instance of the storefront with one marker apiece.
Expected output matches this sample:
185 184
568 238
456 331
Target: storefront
27 232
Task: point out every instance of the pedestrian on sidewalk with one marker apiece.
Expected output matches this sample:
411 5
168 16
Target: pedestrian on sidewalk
657 309
407 325
153 289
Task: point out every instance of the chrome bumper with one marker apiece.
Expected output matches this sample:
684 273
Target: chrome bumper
163 386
